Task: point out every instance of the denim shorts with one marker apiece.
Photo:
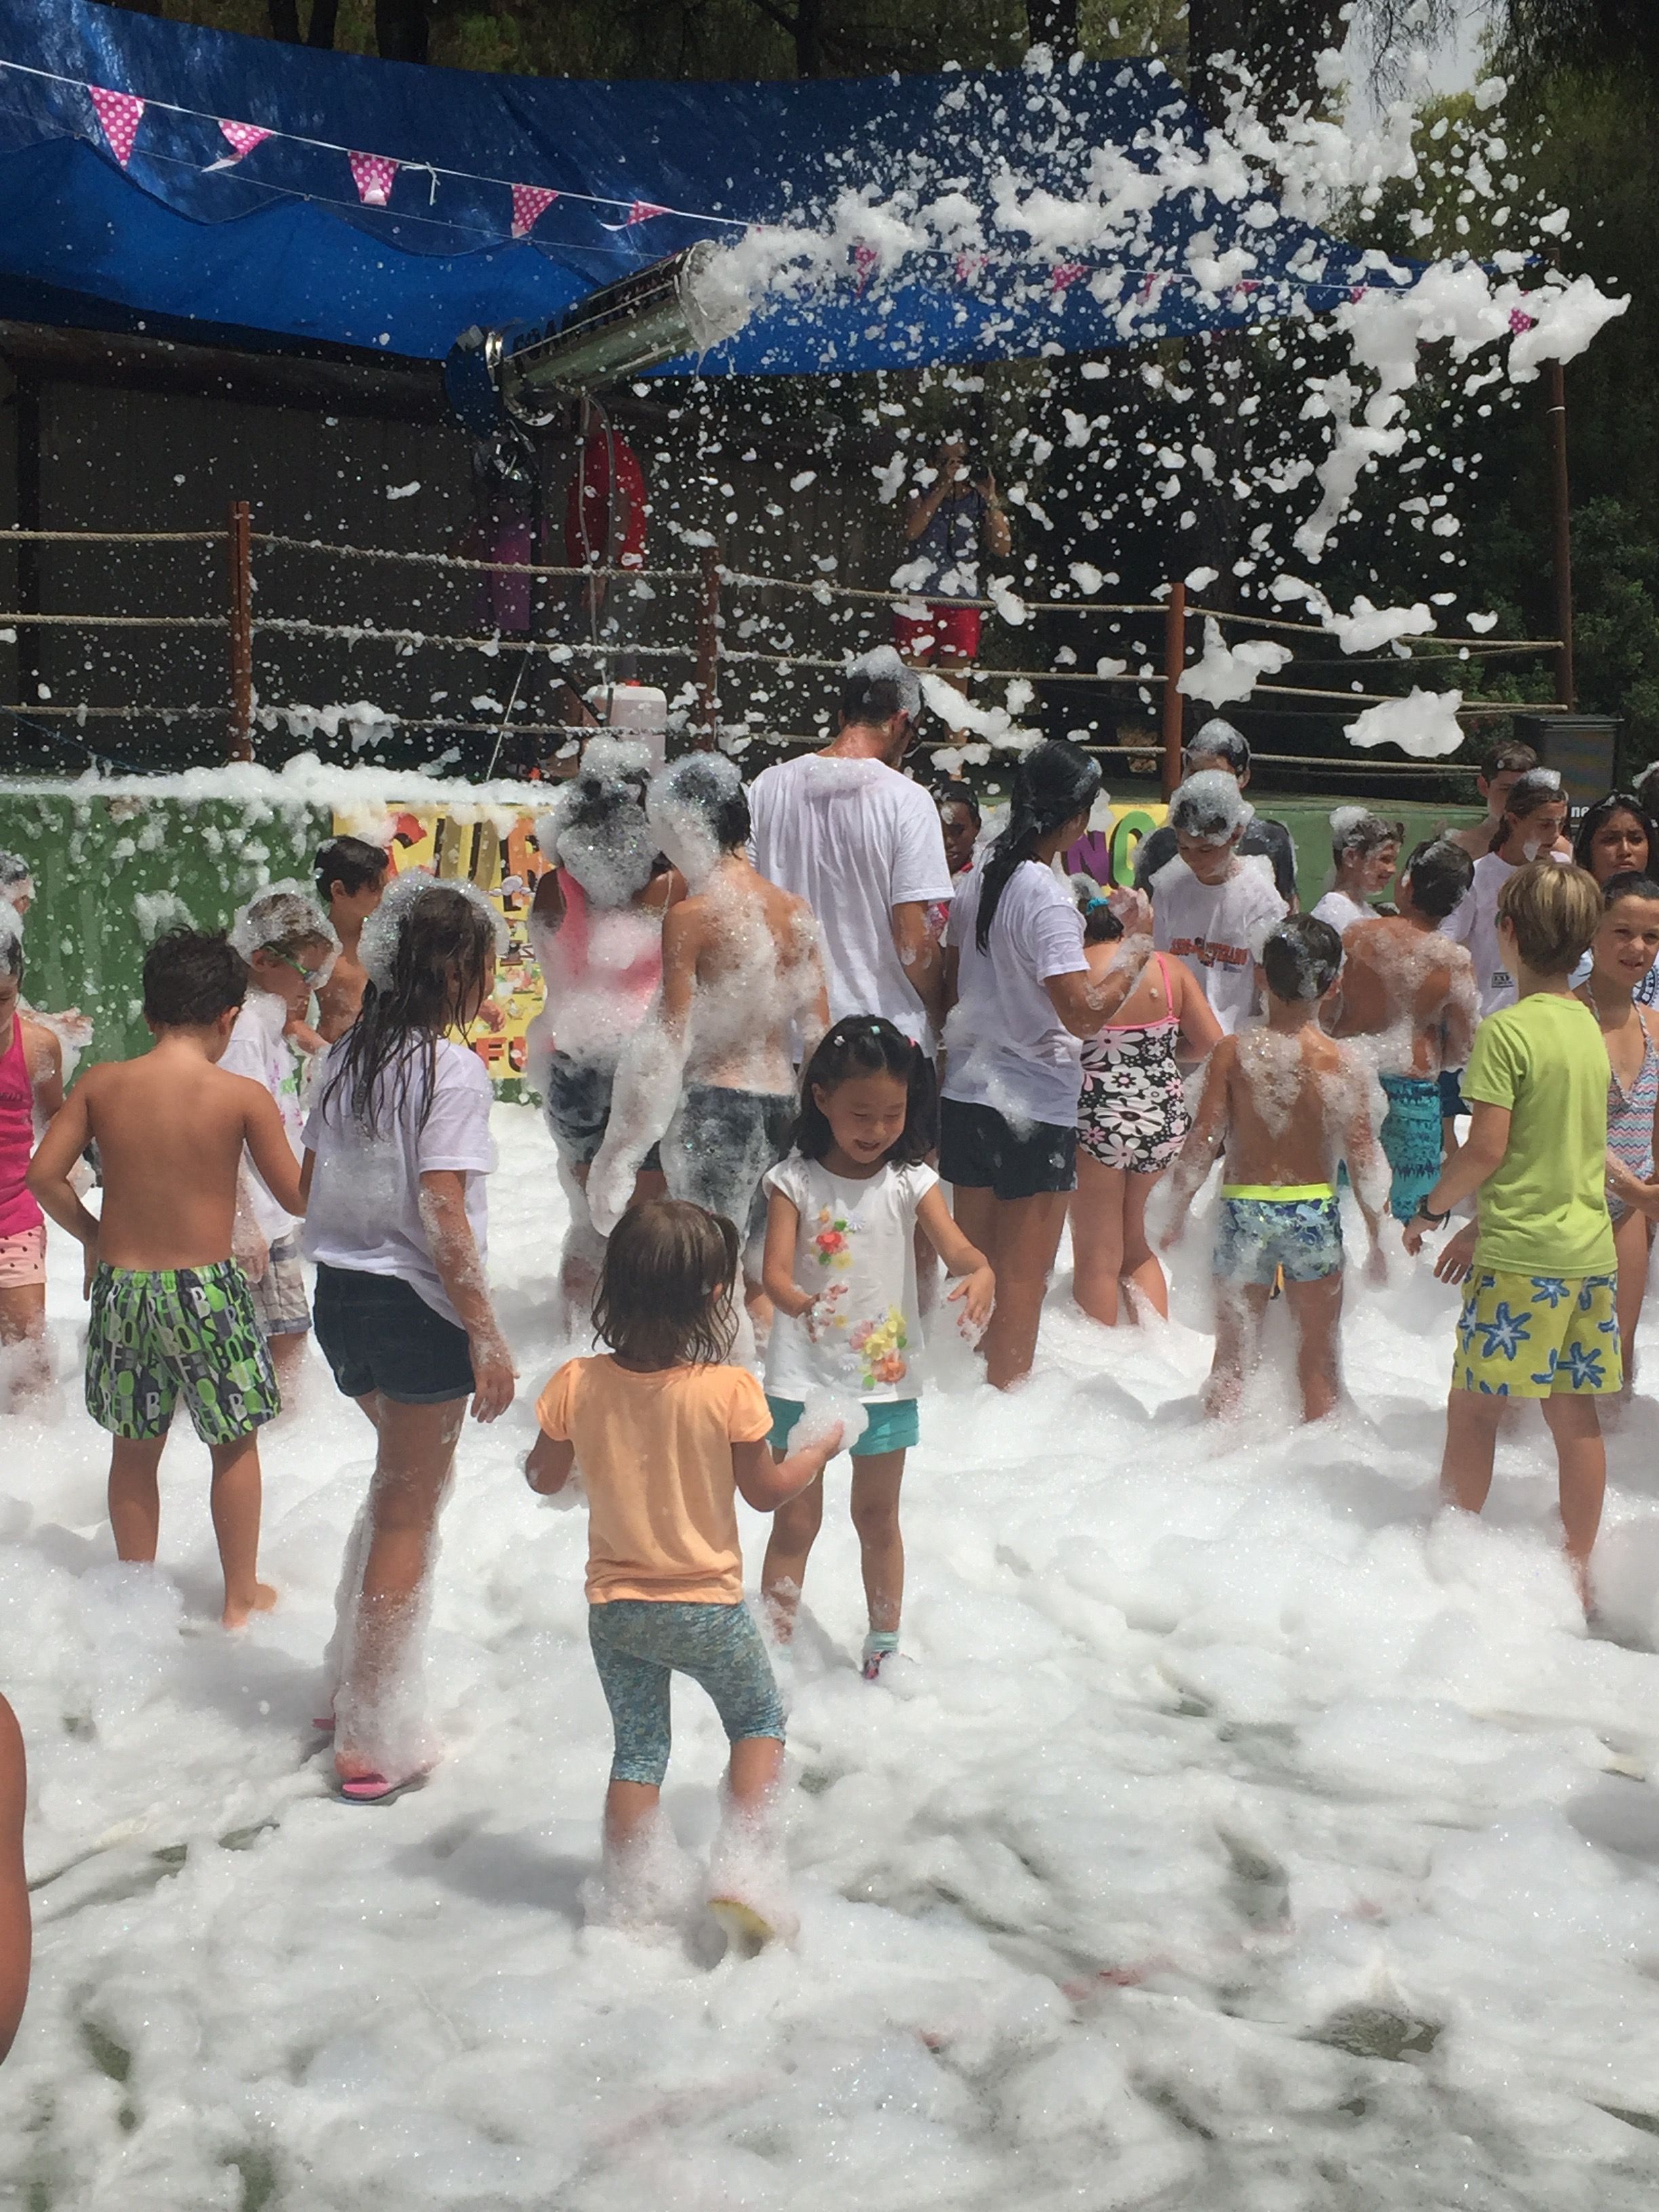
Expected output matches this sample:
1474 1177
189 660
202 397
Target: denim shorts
980 1149
378 1333
639 1646
576 1105
890 1425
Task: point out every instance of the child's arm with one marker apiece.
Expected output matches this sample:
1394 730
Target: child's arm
1480 1155
1203 1139
778 1268
53 1164
269 1148
646 1089
1200 1032
449 1233
547 1467
978 1287
766 1483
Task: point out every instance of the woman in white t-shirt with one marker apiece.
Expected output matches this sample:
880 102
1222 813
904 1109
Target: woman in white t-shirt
1023 1000
397 1145
1365 853
1535 816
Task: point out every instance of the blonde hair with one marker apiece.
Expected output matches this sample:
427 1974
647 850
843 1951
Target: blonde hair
1554 912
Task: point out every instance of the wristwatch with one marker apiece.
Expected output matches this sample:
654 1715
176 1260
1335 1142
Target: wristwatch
1435 1220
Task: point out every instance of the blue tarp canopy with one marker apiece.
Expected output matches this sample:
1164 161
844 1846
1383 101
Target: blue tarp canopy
280 246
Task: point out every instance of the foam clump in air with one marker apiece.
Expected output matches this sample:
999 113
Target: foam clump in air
378 946
1424 724
281 917
1226 672
1211 807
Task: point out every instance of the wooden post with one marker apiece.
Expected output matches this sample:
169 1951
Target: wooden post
708 649
1561 516
1175 660
241 746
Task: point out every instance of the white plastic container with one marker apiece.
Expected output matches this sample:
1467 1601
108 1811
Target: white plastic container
635 710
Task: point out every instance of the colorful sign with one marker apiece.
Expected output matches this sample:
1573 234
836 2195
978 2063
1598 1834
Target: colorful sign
1108 855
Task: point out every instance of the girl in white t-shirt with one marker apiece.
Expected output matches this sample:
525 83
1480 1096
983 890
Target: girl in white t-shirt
1535 816
1364 854
397 1145
841 1271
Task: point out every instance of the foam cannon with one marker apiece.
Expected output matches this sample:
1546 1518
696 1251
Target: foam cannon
528 373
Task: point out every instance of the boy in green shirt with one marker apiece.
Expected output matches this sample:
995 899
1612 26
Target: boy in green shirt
1538 1317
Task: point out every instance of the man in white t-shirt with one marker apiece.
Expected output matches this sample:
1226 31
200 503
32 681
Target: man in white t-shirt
1212 907
843 829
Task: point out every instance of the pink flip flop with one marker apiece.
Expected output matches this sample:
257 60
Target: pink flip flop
376 1790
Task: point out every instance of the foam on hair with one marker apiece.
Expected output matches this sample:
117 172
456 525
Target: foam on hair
879 685
1301 957
1211 807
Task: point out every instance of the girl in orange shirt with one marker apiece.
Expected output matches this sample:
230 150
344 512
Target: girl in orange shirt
664 1432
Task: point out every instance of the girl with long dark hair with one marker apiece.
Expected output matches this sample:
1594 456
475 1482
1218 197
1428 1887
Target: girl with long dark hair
397 1149
1024 1000
1535 815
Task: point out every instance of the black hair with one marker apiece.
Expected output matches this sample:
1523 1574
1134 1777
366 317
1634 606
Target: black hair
665 1296
710 786
1100 925
1441 873
441 944
874 698
1301 958
351 862
1219 740
959 794
1632 884
191 979
11 952
1616 802
1052 783
864 1044
1535 787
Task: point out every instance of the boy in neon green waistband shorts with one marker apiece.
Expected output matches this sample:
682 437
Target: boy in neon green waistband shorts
1538 1317
1288 1101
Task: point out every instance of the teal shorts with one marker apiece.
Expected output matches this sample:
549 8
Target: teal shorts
890 1425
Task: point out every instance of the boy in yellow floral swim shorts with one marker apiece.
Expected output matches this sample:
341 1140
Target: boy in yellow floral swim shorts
1538 1317
841 1271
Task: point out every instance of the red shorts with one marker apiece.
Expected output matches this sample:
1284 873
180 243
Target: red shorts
952 630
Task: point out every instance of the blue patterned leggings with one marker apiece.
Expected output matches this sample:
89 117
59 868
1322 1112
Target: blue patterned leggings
638 1644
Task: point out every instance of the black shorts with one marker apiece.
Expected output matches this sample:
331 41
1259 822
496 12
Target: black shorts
719 1145
378 1333
979 1150
1451 1093
577 1106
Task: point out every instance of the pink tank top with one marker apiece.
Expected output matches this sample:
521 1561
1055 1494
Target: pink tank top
18 1211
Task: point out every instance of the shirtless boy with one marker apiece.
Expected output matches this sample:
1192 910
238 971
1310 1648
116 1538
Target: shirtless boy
742 977
1414 990
351 874
171 1310
1287 1101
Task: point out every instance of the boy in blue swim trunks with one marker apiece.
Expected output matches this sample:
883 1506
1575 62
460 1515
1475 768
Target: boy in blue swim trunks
172 1315
1288 1101
1539 1316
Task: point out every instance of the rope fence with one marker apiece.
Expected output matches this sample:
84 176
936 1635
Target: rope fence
702 646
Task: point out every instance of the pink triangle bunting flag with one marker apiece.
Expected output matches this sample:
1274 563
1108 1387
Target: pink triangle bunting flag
372 174
643 211
243 137
529 203
119 112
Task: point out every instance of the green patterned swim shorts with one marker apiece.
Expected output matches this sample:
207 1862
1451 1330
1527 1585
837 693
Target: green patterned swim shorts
189 1331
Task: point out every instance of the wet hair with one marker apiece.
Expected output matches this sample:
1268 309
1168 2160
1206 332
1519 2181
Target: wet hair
1100 925
1356 830
1554 912
1632 884
11 941
1538 788
191 979
427 949
351 862
708 787
282 920
16 875
1616 802
1301 957
665 1296
1210 806
1508 757
959 794
1441 873
864 1044
1053 782
1219 740
878 686
596 827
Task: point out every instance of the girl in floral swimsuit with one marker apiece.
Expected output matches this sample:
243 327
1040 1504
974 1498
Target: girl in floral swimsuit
1131 1117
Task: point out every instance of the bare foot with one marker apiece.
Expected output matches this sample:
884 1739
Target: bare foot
235 1614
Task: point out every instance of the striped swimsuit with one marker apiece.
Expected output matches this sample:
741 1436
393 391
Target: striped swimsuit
1630 1117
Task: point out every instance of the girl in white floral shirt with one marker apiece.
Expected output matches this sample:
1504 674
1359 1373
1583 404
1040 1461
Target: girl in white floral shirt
841 1271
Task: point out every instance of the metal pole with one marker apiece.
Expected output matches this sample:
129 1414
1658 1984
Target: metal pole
241 746
1561 516
708 648
1175 660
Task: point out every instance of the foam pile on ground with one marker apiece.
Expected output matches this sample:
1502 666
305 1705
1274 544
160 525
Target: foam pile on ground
1230 1832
